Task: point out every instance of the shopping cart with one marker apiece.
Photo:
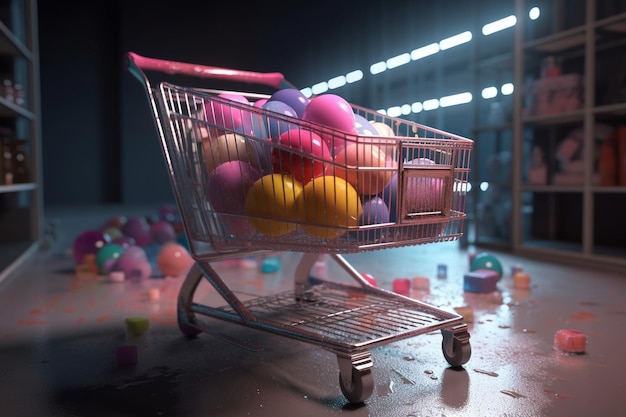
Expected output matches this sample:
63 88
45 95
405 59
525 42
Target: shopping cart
272 206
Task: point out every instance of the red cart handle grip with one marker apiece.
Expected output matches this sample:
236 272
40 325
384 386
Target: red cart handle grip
272 79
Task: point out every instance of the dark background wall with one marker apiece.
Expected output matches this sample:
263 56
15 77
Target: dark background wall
99 142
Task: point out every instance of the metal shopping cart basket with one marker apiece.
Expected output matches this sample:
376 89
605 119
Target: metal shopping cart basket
249 179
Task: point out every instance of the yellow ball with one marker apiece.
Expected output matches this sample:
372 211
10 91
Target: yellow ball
329 205
273 196
227 147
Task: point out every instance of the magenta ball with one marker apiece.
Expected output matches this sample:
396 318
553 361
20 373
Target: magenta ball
293 98
228 185
89 242
163 231
168 212
332 111
229 117
424 194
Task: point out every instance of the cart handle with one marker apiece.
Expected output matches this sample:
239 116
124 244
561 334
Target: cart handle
272 79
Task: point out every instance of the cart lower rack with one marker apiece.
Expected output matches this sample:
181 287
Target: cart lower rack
249 179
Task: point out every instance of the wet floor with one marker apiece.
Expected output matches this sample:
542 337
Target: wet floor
59 335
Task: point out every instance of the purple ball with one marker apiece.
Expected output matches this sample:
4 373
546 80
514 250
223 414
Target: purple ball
228 186
162 231
389 195
89 242
375 211
134 263
293 98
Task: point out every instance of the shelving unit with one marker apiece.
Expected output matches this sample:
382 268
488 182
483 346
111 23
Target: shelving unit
562 206
21 197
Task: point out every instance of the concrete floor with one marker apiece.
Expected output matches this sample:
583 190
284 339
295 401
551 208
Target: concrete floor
59 334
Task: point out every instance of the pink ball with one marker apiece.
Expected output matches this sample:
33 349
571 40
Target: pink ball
134 263
174 260
424 194
227 117
297 163
356 155
334 112
89 242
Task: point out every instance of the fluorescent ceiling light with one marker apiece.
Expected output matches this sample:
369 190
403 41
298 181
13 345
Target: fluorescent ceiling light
455 40
499 25
320 88
337 82
416 107
455 99
507 89
534 13
354 76
307 92
484 186
394 111
378 67
396 61
431 104
406 109
489 92
424 51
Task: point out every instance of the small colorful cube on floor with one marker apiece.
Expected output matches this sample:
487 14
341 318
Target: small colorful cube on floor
421 283
127 355
480 281
270 265
401 286
516 268
521 280
442 271
570 341
136 326
467 312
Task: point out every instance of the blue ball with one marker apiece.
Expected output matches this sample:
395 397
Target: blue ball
293 98
389 195
276 126
375 211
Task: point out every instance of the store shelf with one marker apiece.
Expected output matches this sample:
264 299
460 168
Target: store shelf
560 222
21 207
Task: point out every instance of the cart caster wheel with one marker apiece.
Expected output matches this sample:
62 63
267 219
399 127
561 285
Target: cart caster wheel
456 346
360 386
187 330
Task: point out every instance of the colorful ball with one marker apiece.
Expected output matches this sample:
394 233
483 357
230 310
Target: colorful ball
228 186
271 204
332 111
329 205
364 155
363 127
424 194
293 98
375 211
162 231
174 260
109 252
226 117
488 261
389 195
134 263
227 147
306 158
275 125
89 242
